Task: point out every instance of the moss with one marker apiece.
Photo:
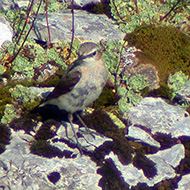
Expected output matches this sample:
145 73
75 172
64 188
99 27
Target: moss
142 162
54 177
98 8
164 91
45 133
165 140
165 47
168 184
111 177
43 148
107 98
102 123
4 137
24 123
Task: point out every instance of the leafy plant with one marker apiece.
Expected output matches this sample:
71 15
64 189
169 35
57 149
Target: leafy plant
177 81
130 14
131 92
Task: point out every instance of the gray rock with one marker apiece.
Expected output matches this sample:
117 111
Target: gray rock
184 93
86 140
184 183
165 161
159 116
19 169
5 31
87 27
141 136
82 3
133 67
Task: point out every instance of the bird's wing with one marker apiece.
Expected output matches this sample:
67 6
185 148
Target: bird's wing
65 85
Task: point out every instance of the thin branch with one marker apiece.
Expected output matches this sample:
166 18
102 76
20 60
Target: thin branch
14 56
172 9
73 28
119 63
27 16
118 14
48 30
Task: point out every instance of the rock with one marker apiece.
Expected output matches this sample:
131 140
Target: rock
133 67
5 31
184 93
88 142
184 183
88 27
22 170
158 116
165 162
141 136
7 4
83 3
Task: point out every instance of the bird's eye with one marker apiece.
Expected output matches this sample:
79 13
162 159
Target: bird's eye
94 53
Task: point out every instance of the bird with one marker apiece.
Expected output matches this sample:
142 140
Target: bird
81 84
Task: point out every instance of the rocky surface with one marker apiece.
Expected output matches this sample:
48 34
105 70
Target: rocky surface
22 170
158 116
6 32
87 26
153 151
164 163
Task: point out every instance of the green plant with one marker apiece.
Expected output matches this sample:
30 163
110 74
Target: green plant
10 113
131 92
165 47
177 81
130 14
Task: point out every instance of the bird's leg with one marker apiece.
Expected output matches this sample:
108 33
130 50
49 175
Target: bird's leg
86 128
70 118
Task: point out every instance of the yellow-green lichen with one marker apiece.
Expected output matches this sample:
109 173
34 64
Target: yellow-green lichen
177 81
10 113
165 47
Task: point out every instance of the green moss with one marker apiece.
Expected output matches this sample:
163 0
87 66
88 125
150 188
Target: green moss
107 98
4 137
111 57
148 166
165 47
43 148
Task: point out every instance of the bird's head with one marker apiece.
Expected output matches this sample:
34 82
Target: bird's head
89 51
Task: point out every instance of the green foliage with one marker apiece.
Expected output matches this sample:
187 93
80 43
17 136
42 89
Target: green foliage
22 94
129 14
177 81
53 6
10 113
128 88
131 93
30 57
17 18
137 83
1 69
112 57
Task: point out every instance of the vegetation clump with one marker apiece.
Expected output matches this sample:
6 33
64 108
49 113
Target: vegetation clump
165 47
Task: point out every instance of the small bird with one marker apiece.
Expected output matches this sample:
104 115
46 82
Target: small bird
81 84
